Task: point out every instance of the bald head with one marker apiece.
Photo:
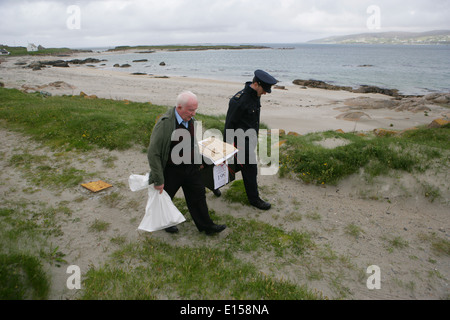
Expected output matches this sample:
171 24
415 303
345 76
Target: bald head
187 104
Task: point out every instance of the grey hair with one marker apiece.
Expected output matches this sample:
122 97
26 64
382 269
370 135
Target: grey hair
184 98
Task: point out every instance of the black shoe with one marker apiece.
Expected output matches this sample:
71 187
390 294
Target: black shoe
261 204
173 229
215 228
217 193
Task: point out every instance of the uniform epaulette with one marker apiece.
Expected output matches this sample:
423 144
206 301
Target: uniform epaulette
238 95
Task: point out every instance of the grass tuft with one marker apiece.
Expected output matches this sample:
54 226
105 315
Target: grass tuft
375 155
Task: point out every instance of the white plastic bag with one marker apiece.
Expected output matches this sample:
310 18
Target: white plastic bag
160 212
138 182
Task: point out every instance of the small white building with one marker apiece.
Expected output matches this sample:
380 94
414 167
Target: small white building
32 47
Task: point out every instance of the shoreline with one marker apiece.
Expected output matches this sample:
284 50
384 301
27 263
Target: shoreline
79 54
292 108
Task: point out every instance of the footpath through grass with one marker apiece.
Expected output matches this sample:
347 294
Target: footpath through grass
75 123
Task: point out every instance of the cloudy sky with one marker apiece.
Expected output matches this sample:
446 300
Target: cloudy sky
102 23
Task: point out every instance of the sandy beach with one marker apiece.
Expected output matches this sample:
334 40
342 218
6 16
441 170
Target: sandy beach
387 207
294 108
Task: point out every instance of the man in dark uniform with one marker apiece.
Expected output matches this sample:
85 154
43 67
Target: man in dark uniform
241 129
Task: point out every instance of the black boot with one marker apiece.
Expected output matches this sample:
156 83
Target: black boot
261 204
215 228
173 229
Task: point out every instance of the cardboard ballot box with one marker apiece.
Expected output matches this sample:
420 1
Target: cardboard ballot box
217 174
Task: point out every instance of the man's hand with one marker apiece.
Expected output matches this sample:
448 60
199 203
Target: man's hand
159 188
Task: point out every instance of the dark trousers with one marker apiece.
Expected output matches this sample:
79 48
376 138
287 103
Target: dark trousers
249 173
188 177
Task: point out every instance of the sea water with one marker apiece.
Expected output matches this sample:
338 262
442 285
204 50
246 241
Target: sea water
412 69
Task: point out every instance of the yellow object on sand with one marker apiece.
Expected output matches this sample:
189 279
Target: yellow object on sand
96 186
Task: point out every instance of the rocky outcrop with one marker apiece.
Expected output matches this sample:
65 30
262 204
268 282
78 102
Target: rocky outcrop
412 104
319 84
125 65
53 85
362 89
84 61
373 89
84 95
438 98
371 103
38 65
55 63
437 123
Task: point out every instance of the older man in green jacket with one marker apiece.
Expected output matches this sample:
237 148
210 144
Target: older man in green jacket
175 161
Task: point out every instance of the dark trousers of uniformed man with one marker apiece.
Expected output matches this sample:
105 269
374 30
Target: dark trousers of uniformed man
249 173
246 163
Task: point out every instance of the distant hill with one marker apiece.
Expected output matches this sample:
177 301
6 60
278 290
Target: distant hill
429 37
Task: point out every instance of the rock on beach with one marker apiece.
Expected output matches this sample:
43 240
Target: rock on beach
362 89
38 65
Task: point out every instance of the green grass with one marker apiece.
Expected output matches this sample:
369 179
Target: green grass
153 269
395 242
22 51
148 268
236 193
41 171
24 248
187 47
377 156
252 236
74 122
353 230
77 123
439 245
99 226
22 277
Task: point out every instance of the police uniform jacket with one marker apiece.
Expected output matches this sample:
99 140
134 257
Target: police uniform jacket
244 110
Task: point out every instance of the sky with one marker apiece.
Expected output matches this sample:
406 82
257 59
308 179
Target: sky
109 23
